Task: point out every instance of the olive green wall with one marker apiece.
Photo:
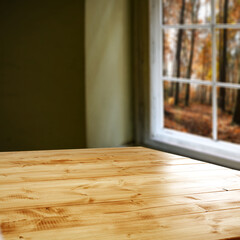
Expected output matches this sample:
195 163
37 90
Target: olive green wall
108 73
45 96
42 102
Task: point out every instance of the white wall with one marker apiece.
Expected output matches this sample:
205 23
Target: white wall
108 73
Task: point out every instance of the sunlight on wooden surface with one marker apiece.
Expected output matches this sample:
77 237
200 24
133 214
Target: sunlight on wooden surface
119 193
1 238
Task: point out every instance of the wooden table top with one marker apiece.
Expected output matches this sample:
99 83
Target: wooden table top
119 193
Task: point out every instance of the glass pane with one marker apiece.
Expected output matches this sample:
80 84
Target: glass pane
187 54
228 55
187 108
186 11
227 11
229 115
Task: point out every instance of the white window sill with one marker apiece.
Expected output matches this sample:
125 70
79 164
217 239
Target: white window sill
202 148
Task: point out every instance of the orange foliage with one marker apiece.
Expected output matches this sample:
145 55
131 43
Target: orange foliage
197 119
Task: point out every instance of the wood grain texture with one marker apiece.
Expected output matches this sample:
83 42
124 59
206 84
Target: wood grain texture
118 193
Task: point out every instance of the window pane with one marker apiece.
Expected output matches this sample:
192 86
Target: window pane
227 11
187 54
186 11
228 55
187 108
229 115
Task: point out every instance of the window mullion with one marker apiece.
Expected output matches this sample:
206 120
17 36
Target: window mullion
187 26
161 64
214 80
228 85
156 66
228 26
189 81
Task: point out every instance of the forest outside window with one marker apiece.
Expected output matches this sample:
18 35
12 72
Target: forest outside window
195 73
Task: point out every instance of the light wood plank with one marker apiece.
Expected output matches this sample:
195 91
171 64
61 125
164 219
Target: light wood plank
116 193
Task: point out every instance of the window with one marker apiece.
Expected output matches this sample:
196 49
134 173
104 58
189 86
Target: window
195 77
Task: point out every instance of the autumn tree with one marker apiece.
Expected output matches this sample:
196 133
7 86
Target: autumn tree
236 114
178 52
195 9
223 58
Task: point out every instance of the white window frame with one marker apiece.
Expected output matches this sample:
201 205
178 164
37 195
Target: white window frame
211 150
